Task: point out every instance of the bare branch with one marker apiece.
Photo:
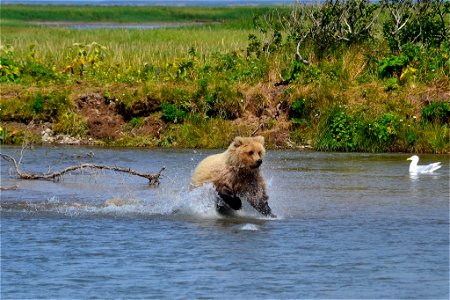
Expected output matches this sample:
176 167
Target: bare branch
299 56
260 126
152 178
10 188
374 19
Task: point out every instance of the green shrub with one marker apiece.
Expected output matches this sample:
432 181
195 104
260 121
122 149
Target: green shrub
385 129
40 107
171 113
411 137
37 105
9 70
392 66
338 131
254 46
38 71
136 122
436 111
47 107
424 22
298 111
391 84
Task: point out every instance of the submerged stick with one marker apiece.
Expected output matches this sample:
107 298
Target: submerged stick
152 178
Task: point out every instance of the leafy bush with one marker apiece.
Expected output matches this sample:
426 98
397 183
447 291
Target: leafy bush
436 111
47 107
38 71
294 71
298 110
385 129
37 104
391 84
134 105
171 113
344 131
324 27
338 131
9 70
416 22
13 71
392 66
254 46
136 122
16 110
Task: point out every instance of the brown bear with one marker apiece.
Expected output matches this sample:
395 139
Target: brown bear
235 174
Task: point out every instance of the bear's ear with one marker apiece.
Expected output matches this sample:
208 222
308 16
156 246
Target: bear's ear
259 139
238 141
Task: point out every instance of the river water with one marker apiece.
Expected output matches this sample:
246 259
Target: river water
348 226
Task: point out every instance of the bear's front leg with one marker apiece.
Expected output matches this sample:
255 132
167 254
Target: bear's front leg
233 201
227 197
260 201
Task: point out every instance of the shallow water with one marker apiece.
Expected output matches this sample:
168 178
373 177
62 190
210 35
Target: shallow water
348 226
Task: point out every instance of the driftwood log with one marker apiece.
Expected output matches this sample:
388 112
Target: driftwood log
152 178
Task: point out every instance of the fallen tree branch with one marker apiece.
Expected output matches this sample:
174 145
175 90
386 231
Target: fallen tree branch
10 188
152 178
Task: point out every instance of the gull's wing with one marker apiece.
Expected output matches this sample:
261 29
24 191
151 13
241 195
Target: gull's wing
429 168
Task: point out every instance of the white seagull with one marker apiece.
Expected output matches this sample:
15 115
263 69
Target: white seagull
414 168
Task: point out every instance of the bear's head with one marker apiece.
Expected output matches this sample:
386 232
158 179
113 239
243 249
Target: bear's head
247 152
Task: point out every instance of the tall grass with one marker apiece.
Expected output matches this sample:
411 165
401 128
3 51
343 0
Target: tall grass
241 16
208 76
126 47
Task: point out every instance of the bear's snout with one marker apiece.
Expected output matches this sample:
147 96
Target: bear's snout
258 163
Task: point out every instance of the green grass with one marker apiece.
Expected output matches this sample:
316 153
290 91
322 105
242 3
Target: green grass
208 79
130 14
124 47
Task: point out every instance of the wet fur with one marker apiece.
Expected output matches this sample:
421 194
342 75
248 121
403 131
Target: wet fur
236 175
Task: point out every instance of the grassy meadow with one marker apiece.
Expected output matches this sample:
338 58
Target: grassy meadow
198 86
231 16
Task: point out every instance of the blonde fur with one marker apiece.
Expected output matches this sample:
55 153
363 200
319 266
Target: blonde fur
236 172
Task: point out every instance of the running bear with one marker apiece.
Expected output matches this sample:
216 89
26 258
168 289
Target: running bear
236 175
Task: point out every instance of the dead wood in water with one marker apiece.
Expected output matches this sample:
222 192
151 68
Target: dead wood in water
152 178
10 188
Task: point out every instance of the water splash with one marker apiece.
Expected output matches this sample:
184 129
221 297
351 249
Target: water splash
249 227
199 203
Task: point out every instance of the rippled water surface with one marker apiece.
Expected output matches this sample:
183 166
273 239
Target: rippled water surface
348 226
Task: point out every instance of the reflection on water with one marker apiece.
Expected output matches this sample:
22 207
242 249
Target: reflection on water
349 226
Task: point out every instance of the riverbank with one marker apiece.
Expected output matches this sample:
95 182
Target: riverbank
198 87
